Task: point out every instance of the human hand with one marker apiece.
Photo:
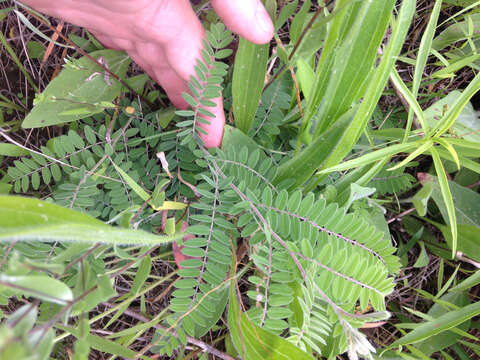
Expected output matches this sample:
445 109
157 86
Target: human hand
164 37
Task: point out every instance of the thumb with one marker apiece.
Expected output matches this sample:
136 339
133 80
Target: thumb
247 18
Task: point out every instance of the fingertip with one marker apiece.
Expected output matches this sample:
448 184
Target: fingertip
265 24
216 127
247 18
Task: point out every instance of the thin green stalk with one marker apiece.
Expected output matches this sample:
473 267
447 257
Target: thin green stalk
447 197
423 53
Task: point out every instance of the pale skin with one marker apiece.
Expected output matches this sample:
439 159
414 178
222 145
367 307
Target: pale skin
164 37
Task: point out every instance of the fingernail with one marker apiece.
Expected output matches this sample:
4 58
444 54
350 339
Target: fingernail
263 20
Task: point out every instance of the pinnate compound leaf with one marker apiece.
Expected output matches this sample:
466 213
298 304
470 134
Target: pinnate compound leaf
28 219
80 85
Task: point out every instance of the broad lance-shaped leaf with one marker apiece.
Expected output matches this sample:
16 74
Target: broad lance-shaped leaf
29 219
248 79
468 240
354 57
80 90
466 126
253 342
249 76
447 198
458 30
354 122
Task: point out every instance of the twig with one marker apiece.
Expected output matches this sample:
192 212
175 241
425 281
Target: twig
295 48
399 216
468 260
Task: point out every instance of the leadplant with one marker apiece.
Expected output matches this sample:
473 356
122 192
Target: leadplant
205 86
301 285
391 182
288 232
288 252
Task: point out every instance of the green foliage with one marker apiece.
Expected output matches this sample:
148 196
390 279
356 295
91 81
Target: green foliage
440 324
332 144
245 76
48 222
82 90
206 85
19 342
392 182
82 175
252 341
270 115
292 242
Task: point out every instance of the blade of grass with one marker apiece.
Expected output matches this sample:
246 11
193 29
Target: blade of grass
418 151
449 71
464 10
166 205
423 53
29 25
310 159
372 157
450 149
462 143
438 325
411 99
466 162
447 197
